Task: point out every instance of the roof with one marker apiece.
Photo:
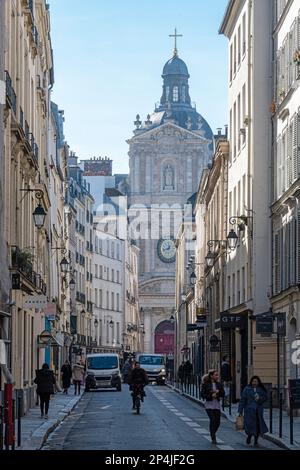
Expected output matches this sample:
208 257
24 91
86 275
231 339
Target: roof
175 66
226 16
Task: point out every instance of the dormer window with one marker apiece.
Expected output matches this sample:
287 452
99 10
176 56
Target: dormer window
183 94
175 94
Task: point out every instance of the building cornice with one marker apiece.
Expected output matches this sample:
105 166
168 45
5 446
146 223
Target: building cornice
231 13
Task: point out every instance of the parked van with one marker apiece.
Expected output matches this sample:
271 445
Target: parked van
154 365
103 371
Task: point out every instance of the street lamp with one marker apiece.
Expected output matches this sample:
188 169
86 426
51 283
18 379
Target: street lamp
193 279
172 318
210 259
232 239
96 323
72 284
39 216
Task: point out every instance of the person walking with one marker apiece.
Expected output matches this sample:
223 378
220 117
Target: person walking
226 376
45 382
126 371
78 374
212 391
181 373
251 403
66 376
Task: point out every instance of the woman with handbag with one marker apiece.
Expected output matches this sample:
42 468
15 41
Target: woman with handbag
45 381
212 391
253 397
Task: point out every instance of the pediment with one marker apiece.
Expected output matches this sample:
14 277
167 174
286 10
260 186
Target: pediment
167 130
157 286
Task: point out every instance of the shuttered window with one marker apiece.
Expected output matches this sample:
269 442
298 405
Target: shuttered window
276 258
298 246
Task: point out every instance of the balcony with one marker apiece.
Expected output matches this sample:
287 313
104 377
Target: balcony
21 261
11 97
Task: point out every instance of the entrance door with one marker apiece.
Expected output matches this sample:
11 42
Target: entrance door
164 338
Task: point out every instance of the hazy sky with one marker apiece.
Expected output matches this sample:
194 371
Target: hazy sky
109 57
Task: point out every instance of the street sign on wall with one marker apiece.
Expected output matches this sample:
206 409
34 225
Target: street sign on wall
35 301
264 323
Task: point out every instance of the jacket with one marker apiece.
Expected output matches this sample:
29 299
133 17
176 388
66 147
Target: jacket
253 410
78 372
225 372
138 376
207 391
45 381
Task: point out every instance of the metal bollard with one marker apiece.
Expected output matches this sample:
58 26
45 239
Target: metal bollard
1 426
280 414
271 412
193 385
291 422
19 420
230 398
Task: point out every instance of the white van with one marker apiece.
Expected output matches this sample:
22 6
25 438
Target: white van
103 371
154 365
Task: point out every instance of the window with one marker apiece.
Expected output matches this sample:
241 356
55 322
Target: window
233 290
112 249
107 331
107 300
243 285
167 93
101 271
118 302
96 270
238 288
244 193
107 248
230 137
175 94
244 34
118 333
118 276
112 301
234 131
234 55
243 112
231 62
107 274
118 251
100 298
183 94
239 46
239 122
113 275
96 297
239 211
228 290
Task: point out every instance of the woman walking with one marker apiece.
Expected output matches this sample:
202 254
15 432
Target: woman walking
78 374
212 391
45 381
66 375
253 397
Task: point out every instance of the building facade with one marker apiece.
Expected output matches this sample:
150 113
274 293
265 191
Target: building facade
167 155
248 28
286 186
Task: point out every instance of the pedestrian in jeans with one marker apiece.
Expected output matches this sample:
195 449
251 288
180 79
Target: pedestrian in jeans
212 391
45 381
78 373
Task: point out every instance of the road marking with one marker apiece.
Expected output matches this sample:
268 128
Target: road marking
225 447
202 431
105 407
184 418
194 425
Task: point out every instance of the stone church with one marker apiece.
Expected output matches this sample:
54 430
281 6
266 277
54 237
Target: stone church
167 155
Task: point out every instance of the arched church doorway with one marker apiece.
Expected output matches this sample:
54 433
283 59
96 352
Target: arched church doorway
164 338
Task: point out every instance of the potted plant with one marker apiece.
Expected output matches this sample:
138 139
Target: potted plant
296 57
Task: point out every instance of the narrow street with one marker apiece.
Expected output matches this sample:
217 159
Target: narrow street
104 420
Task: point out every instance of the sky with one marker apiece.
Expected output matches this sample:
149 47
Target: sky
108 61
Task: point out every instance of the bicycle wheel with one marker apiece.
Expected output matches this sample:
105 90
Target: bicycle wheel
138 405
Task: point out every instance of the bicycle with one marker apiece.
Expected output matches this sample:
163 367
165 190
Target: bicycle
137 397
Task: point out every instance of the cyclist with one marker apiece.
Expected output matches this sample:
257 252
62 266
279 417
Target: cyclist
137 379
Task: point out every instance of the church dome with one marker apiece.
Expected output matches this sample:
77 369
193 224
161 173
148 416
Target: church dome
175 66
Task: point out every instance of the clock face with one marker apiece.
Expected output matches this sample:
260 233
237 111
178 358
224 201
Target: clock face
166 250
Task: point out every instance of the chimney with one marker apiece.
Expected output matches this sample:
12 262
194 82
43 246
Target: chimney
219 130
226 130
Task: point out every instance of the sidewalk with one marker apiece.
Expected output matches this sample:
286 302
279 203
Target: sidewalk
274 437
36 430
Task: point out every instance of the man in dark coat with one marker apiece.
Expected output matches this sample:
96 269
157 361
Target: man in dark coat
188 370
45 381
181 373
66 375
137 377
226 376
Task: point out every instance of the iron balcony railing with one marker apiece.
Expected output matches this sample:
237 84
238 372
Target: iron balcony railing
21 263
10 93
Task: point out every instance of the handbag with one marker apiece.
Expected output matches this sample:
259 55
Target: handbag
239 423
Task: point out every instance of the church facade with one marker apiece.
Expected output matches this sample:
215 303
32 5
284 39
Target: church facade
167 155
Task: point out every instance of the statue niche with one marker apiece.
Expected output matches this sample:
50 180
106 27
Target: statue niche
168 178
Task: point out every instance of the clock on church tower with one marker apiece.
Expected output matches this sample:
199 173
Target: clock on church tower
166 250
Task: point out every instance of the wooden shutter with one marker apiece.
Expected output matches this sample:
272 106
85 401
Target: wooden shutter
298 247
276 281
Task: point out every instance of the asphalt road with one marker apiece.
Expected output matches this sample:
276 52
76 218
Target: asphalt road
104 420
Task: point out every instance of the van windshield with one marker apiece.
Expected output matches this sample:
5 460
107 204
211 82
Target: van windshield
102 362
151 360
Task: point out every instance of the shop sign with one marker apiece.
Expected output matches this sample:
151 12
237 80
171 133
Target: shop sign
294 388
231 320
264 323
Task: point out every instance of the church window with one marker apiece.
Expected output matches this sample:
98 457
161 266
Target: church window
167 93
175 94
183 93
